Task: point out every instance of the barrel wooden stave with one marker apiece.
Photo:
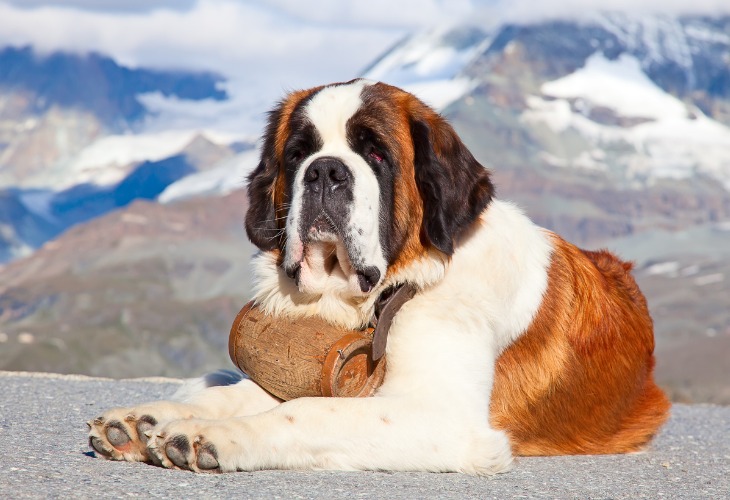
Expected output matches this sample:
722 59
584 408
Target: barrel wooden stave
303 357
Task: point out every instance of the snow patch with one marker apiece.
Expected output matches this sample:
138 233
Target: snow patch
106 160
130 148
663 268
440 93
660 37
555 113
709 279
38 201
690 270
706 35
226 177
428 67
238 118
655 136
620 85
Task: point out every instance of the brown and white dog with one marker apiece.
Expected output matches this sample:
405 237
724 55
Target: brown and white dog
516 342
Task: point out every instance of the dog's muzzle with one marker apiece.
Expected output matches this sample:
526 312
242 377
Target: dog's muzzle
327 200
325 224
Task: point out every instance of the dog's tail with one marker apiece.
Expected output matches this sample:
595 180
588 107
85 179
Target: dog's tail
192 386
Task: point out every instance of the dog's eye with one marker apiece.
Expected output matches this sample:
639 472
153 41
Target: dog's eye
296 155
376 155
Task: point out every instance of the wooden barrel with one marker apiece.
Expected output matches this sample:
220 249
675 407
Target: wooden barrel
303 357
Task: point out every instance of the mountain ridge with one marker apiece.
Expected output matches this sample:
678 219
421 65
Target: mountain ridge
96 83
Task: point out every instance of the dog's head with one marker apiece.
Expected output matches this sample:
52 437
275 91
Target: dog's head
357 180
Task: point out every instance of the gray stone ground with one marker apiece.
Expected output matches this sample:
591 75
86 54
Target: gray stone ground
44 454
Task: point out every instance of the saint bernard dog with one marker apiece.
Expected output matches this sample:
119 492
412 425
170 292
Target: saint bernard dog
515 343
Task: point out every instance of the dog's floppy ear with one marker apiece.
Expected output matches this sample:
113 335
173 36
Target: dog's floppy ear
261 226
454 186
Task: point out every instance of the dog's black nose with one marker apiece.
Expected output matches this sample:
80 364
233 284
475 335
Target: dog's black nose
326 173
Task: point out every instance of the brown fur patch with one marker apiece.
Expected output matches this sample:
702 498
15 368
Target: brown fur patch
389 110
282 134
286 110
580 379
385 111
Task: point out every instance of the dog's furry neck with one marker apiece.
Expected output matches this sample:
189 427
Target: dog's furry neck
277 294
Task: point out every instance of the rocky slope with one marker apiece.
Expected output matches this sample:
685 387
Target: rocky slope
151 289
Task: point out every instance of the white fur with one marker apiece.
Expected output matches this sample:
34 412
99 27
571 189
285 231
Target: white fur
329 111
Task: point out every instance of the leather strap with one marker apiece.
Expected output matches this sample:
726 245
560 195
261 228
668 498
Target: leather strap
388 305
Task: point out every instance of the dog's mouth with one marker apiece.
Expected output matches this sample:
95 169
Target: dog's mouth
326 262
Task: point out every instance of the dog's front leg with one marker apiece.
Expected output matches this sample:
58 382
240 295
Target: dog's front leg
121 433
378 433
431 414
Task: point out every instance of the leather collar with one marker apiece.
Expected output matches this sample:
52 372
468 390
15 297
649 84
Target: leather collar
387 306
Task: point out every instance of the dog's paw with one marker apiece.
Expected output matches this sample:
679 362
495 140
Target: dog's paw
189 444
490 453
122 433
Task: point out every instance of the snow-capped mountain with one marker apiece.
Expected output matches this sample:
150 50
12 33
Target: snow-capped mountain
431 64
639 98
57 109
72 128
635 102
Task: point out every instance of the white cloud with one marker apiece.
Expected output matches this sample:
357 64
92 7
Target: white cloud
319 37
532 10
323 36
241 39
408 14
107 5
265 47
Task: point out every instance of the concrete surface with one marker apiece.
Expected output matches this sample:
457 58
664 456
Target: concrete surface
44 454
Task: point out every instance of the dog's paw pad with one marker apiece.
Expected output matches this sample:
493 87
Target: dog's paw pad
144 426
207 457
182 445
120 435
117 435
177 450
98 445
